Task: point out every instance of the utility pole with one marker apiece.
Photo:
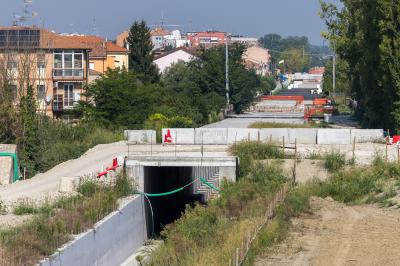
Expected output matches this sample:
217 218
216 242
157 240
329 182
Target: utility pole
227 72
334 76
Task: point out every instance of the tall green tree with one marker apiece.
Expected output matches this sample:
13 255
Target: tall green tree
119 99
365 35
141 53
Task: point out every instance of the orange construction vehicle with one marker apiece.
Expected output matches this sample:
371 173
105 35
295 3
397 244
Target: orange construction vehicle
319 107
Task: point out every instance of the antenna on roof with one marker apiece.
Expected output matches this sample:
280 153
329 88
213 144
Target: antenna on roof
162 24
27 14
94 28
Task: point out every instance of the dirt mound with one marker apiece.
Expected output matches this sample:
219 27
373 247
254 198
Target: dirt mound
336 234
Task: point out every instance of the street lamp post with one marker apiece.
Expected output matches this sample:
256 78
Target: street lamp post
334 76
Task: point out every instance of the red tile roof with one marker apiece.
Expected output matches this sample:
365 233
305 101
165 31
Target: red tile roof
113 48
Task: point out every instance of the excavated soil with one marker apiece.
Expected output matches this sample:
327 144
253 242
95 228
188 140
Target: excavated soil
337 234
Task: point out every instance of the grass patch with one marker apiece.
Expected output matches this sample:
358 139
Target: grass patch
285 125
251 151
334 161
55 224
373 184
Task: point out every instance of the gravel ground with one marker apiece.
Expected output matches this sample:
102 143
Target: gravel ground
337 234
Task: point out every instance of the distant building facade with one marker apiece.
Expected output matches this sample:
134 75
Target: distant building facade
182 54
257 58
207 38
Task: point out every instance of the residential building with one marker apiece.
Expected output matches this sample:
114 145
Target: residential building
121 39
158 38
103 54
56 66
184 54
257 58
207 38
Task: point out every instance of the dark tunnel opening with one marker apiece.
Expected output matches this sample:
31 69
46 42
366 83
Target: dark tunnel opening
167 209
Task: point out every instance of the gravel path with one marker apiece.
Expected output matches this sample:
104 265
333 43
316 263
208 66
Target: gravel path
336 234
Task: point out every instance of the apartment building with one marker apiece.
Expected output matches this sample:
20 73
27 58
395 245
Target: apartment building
207 38
57 66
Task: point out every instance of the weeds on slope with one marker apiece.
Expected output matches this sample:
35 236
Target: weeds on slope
251 151
54 223
209 235
376 183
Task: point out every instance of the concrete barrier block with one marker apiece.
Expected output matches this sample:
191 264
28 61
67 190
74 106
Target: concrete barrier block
179 135
217 136
303 135
333 136
241 134
140 136
276 134
366 135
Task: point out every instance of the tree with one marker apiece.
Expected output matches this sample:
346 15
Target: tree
365 35
342 78
119 99
295 60
141 53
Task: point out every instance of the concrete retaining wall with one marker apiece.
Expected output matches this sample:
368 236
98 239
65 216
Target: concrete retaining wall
111 242
180 135
276 134
303 135
333 136
240 134
211 136
366 135
140 136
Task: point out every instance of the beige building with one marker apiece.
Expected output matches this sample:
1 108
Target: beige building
56 66
257 58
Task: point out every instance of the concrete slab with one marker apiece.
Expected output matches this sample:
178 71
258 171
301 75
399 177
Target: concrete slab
276 134
180 135
140 136
366 135
241 134
303 135
333 136
211 136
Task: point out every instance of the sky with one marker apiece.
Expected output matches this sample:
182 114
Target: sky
107 18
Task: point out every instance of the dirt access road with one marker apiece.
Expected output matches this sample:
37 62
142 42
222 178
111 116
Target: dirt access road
336 234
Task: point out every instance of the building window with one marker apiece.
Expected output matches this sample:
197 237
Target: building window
41 92
68 64
68 95
91 66
12 63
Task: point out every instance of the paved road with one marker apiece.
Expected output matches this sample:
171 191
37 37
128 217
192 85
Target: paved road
45 185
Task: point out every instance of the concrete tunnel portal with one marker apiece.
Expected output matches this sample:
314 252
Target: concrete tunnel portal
154 175
167 209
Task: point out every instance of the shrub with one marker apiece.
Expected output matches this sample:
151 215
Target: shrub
25 207
249 151
334 161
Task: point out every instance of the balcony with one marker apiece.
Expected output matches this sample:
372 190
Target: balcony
68 74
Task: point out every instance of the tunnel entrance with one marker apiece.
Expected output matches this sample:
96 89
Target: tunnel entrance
167 209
